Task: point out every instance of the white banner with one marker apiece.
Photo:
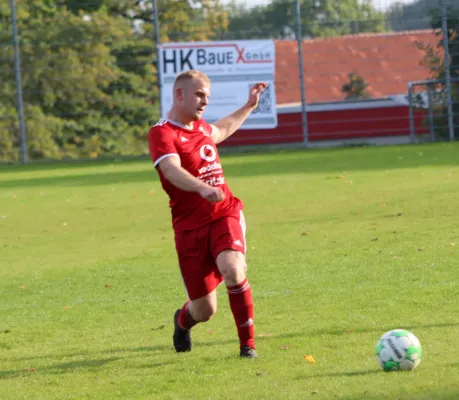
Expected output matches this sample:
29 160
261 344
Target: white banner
233 68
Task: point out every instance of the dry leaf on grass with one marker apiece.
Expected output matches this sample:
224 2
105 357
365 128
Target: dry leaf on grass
310 359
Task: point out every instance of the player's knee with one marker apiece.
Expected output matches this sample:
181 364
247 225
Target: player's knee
232 266
206 312
234 274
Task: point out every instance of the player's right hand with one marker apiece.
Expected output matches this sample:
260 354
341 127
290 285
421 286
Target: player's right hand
212 194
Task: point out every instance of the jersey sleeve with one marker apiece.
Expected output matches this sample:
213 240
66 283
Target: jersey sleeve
162 144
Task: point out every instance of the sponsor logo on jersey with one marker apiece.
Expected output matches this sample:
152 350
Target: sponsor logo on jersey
216 166
208 153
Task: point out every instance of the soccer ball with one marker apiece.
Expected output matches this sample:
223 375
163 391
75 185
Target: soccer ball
399 350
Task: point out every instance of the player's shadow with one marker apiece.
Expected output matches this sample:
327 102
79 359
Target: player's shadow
116 351
74 365
55 367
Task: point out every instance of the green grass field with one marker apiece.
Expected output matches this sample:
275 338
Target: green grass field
344 245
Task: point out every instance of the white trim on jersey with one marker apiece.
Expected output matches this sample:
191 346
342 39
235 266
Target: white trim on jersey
160 122
163 157
171 121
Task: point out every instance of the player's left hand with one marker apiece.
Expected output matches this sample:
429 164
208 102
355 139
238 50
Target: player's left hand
254 94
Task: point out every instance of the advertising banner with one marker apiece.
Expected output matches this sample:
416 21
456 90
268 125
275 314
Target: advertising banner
233 68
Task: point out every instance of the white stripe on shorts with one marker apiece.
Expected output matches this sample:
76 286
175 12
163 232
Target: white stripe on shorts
243 227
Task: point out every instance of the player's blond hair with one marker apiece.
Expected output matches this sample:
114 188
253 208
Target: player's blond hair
186 76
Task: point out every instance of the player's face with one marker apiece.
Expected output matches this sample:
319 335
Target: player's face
195 98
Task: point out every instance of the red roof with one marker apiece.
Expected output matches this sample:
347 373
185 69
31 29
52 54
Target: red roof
387 62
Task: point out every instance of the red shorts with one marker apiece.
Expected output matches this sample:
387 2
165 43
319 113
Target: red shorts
198 249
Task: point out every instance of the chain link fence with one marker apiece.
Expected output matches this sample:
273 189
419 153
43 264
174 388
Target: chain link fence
79 79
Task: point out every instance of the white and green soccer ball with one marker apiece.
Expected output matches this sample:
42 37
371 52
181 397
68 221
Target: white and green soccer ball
399 350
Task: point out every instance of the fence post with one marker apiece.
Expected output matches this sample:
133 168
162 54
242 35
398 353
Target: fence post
17 72
444 20
411 110
157 43
299 39
431 113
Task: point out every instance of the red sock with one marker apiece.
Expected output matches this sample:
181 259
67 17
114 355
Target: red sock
241 303
185 321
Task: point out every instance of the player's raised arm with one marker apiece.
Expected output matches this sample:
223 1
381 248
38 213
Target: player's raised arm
225 127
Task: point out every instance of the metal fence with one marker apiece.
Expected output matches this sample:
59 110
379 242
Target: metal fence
431 96
78 80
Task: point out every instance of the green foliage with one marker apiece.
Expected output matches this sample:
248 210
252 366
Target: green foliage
453 45
434 59
9 134
89 83
356 88
452 22
414 15
207 19
323 18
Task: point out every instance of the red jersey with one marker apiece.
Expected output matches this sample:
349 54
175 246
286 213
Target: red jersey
199 156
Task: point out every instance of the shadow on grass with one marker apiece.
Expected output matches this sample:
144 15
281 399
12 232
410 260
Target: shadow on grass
8 374
58 368
357 330
118 354
127 352
89 364
72 365
121 350
350 374
286 162
427 395
83 354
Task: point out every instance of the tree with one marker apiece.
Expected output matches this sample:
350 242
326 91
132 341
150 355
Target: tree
434 59
416 15
356 89
88 74
319 18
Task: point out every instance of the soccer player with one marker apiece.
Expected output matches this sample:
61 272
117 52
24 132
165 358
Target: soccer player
207 219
